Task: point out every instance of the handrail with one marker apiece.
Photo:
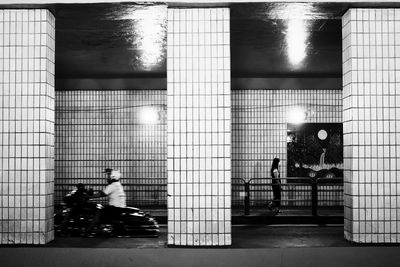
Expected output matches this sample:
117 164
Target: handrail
300 180
306 180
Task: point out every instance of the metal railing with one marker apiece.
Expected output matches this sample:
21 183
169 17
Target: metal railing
246 194
303 192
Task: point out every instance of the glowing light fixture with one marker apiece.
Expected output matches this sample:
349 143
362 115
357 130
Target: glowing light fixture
148 115
297 115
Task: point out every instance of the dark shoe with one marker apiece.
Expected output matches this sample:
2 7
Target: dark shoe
269 206
277 211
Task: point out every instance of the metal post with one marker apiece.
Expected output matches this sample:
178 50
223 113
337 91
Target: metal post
247 198
314 197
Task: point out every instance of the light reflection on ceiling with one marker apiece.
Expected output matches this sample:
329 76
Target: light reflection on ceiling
129 40
286 40
303 11
296 40
298 22
111 40
148 35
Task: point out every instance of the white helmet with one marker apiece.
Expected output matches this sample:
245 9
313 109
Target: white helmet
115 175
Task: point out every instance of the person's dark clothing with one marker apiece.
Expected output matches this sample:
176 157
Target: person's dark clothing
276 190
75 202
110 213
76 198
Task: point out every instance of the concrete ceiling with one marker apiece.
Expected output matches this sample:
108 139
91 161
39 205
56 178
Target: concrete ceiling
109 40
259 38
113 41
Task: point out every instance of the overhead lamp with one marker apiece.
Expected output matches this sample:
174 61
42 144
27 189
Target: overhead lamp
297 115
149 115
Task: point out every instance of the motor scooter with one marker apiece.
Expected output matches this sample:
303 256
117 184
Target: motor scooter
78 212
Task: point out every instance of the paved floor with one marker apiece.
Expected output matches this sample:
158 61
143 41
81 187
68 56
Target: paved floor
253 245
288 236
243 236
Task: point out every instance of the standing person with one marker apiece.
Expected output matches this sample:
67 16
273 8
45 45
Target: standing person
116 198
276 186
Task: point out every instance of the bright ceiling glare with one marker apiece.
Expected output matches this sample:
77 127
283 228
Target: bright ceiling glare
296 39
151 30
148 33
149 115
303 11
298 18
296 115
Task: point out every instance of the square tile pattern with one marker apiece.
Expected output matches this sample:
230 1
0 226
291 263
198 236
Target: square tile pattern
199 127
98 129
259 132
371 124
95 129
26 126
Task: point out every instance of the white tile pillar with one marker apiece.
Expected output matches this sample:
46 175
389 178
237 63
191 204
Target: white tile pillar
26 126
199 129
371 124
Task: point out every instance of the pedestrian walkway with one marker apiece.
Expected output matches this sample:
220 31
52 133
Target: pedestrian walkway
243 236
253 245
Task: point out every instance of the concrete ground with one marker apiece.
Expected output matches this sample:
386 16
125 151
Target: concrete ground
243 236
293 227
253 245
271 257
264 242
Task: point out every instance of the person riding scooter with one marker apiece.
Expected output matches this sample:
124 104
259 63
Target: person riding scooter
77 197
116 196
75 202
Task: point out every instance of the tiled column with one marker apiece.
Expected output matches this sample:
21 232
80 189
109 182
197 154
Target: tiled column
371 124
26 126
199 117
